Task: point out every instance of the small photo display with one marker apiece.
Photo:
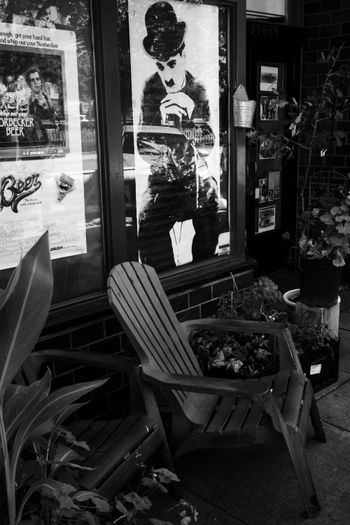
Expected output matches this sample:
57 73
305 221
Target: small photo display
274 185
266 219
268 78
263 190
267 147
268 108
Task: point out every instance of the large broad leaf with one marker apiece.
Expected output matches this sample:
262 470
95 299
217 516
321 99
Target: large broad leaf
5 294
25 401
24 309
67 411
48 408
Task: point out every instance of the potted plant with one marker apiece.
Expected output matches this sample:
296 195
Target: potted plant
39 457
27 413
224 354
311 129
324 244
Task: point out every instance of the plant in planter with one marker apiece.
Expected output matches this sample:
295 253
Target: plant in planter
318 351
324 238
323 246
262 301
312 129
231 355
242 355
38 456
27 413
234 355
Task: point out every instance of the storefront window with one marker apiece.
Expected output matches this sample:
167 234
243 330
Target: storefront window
174 89
48 144
273 8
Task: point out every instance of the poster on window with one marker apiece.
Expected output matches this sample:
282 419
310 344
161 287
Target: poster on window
175 106
41 175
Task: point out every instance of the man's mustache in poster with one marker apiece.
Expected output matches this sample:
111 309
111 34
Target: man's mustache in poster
12 191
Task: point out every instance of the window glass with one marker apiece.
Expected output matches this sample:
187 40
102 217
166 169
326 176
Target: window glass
173 69
48 146
272 7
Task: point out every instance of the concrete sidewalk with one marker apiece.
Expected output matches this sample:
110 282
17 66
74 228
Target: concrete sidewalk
257 485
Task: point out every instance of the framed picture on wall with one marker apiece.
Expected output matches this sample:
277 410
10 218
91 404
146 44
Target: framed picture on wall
268 78
267 147
268 108
274 184
266 219
263 190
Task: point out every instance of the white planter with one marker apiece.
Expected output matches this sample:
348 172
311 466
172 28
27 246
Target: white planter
298 312
290 297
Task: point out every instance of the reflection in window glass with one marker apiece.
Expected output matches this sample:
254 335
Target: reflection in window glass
273 7
48 149
174 102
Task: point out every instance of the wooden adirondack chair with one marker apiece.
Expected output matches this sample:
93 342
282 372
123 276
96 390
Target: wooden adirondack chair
117 446
214 412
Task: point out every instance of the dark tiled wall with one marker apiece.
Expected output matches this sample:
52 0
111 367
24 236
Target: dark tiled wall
327 25
104 334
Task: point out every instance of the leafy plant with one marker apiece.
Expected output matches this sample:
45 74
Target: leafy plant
327 233
132 504
311 127
51 463
262 301
233 354
27 412
225 354
310 337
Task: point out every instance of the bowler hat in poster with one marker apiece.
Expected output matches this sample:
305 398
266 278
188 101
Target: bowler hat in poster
165 34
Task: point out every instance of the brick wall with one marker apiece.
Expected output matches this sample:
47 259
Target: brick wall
104 334
327 25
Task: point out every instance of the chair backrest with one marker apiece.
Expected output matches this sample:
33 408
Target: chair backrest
147 317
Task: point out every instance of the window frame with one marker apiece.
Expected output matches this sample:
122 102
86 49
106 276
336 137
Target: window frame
109 117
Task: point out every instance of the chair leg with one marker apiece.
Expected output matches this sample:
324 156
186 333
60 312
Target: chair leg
296 451
317 422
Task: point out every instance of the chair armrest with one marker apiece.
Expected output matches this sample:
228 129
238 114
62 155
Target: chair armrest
287 351
251 388
76 357
233 325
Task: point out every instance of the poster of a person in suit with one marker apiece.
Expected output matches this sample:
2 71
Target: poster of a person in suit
178 131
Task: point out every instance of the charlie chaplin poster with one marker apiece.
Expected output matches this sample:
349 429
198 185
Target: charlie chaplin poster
175 98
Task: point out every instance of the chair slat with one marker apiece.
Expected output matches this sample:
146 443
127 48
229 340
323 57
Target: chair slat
158 327
170 326
280 387
292 407
221 414
305 410
254 417
117 445
239 414
208 420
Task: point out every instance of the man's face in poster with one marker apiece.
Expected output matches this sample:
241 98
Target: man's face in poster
35 82
172 73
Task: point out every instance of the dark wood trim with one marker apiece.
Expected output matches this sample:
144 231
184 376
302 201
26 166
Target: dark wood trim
111 161
204 271
107 76
237 210
190 275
